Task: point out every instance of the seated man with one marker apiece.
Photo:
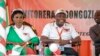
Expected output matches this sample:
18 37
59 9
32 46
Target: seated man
62 33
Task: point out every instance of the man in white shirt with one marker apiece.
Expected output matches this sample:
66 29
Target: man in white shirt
61 32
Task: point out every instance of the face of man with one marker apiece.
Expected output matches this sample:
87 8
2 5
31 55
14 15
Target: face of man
60 19
97 17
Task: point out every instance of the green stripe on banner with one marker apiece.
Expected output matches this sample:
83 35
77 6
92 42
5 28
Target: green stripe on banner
1 54
1 20
2 3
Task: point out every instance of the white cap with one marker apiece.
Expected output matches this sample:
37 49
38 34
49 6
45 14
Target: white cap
60 11
18 9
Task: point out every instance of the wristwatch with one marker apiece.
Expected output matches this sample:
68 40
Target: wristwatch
70 41
27 43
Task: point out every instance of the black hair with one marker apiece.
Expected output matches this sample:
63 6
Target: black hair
97 13
16 12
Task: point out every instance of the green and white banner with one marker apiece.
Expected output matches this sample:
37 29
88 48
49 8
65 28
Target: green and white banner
2 28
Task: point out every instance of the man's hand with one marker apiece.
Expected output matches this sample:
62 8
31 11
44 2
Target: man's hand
62 42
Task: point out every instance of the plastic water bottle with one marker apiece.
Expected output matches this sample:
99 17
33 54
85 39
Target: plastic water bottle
40 48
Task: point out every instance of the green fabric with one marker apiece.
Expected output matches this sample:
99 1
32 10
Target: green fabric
31 45
35 40
47 51
9 47
1 54
13 37
2 3
1 20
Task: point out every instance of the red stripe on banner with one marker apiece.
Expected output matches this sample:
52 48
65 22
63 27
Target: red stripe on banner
2 41
4 24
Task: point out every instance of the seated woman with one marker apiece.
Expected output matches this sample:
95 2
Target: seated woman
21 39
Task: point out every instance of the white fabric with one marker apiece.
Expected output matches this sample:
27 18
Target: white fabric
2 32
16 50
18 9
2 49
21 34
3 13
54 47
29 31
68 33
7 30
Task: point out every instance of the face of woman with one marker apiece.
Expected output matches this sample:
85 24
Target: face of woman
18 19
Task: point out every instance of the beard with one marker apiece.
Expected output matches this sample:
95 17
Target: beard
60 24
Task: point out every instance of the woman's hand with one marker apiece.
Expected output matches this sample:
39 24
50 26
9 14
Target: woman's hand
21 44
24 44
12 43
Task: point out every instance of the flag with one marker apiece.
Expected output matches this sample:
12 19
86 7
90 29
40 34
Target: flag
2 28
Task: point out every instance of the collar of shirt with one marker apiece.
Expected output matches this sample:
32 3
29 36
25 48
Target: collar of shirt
21 28
58 28
55 25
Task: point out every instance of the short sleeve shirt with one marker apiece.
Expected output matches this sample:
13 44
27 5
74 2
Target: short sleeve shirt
52 31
